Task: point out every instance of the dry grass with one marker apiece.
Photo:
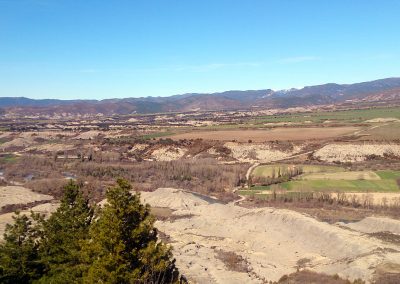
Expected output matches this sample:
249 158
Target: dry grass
387 237
311 277
387 273
387 132
233 261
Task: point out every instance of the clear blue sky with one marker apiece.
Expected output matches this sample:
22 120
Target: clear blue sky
98 49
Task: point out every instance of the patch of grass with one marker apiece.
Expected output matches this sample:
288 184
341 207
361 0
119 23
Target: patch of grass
343 116
267 170
311 277
248 192
385 185
9 158
4 140
388 174
156 135
233 261
353 175
261 187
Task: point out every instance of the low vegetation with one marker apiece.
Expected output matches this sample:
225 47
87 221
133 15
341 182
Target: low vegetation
204 176
310 277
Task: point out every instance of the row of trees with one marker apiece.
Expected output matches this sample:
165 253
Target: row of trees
277 176
80 243
205 175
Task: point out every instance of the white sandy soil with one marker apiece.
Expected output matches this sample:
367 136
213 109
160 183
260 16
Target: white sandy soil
355 152
271 240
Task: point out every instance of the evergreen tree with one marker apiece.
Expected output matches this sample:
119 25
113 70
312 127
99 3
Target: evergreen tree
123 245
19 259
63 234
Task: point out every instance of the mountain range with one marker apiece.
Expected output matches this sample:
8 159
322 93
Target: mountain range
383 91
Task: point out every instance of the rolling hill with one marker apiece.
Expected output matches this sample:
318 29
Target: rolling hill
384 91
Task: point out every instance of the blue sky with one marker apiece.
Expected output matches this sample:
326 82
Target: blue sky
78 49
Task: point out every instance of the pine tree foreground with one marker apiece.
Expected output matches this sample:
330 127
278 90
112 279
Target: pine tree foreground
80 243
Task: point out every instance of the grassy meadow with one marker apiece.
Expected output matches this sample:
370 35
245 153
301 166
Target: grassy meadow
327 179
342 116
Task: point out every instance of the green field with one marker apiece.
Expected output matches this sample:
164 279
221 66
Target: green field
385 185
353 175
267 170
8 158
329 178
249 191
156 135
388 174
344 116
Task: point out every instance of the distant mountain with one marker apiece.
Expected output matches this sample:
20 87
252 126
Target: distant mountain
379 91
21 101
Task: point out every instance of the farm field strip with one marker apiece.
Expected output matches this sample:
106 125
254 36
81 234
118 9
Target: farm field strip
387 185
353 175
383 132
351 116
327 178
388 174
267 170
276 134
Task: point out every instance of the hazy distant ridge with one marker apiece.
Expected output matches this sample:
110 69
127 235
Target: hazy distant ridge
384 90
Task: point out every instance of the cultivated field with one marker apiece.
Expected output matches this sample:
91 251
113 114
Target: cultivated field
321 178
277 134
268 170
382 131
334 185
353 175
338 116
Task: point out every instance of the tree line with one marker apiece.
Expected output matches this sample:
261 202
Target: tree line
276 176
84 243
